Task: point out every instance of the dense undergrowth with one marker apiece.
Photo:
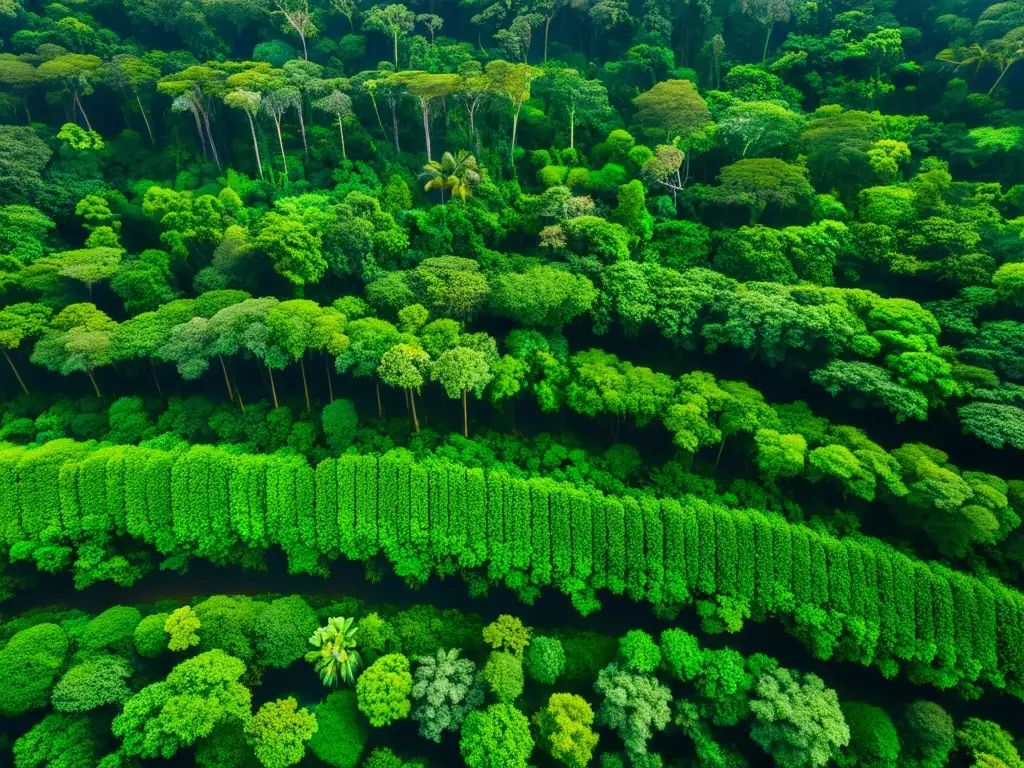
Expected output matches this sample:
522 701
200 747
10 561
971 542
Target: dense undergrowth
709 310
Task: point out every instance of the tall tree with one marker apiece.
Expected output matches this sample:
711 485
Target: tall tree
249 102
19 322
394 20
513 82
402 367
78 339
426 87
298 17
132 75
73 72
276 103
459 371
767 13
340 105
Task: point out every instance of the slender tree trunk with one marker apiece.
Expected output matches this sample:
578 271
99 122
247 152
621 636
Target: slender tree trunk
305 51
78 101
465 416
415 418
28 114
380 406
16 374
515 126
240 403
341 132
721 448
424 107
330 385
377 113
302 127
767 38
572 127
145 119
209 134
547 28
273 389
280 143
395 36
93 380
255 143
394 125
156 379
227 381
199 128
1000 78
305 386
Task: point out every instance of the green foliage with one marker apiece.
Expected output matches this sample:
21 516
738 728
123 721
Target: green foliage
341 730
29 665
503 674
634 705
798 720
282 631
545 660
639 652
94 683
278 733
507 633
497 737
65 740
873 737
151 639
383 690
182 629
199 694
444 692
564 729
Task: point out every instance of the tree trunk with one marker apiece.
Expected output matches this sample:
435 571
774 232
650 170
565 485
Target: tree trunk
465 416
199 128
209 134
721 448
227 381
1000 78
572 127
305 386
280 143
424 107
78 101
28 114
767 38
395 36
305 52
376 111
273 389
240 403
380 406
156 380
547 28
145 118
394 125
255 143
341 132
16 374
515 125
93 380
415 418
302 127
330 385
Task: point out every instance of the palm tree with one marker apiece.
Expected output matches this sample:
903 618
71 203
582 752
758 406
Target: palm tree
1001 54
458 173
336 657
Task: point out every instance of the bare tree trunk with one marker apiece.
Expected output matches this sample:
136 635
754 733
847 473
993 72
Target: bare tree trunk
227 381
145 119
240 403
305 386
341 132
572 127
209 133
156 380
424 107
330 386
767 38
93 380
721 448
17 375
305 52
199 128
380 406
255 143
465 416
395 36
273 389
280 142
394 124
415 418
547 28
78 101
302 128
28 114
